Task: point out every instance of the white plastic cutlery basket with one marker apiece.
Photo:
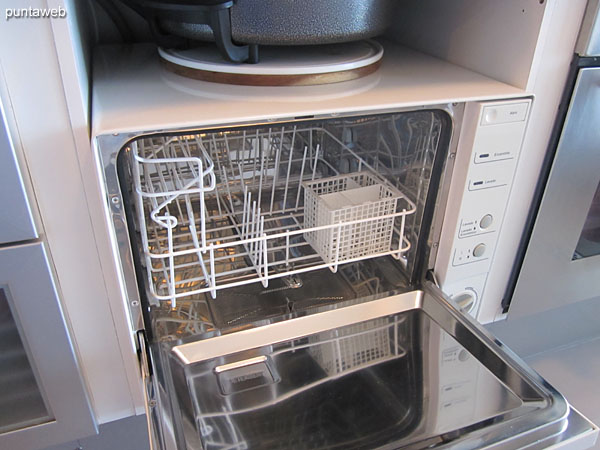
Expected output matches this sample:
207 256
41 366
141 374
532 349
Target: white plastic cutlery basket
360 201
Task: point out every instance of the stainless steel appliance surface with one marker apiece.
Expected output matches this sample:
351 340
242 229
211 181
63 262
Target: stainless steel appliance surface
560 253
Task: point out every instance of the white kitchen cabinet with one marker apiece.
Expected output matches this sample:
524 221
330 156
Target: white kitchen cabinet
43 399
42 396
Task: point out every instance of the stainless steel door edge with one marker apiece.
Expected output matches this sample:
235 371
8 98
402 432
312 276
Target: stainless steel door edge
199 351
579 430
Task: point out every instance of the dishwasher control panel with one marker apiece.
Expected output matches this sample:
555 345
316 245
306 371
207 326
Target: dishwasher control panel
485 164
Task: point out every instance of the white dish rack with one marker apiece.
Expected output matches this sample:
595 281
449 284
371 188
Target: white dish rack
224 209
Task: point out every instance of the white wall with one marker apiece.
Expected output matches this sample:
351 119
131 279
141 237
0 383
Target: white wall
495 38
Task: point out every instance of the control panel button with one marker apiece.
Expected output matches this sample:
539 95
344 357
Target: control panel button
479 250
493 115
494 155
486 221
476 184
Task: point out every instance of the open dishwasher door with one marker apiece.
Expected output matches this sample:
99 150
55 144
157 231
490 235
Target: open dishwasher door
402 371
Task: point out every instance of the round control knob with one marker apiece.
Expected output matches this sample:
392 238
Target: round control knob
463 355
479 250
486 221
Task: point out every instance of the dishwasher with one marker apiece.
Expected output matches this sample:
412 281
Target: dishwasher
280 282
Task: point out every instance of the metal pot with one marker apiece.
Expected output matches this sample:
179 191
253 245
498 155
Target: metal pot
268 22
294 22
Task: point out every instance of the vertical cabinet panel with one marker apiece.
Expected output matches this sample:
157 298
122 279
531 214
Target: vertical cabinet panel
21 399
42 397
16 220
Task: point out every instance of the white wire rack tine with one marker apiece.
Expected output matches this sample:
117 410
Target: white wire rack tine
252 224
396 335
228 191
192 226
241 170
301 175
257 243
262 167
248 217
276 170
254 159
310 143
244 222
401 239
265 281
289 168
202 207
258 249
242 160
171 284
337 249
213 282
287 249
314 169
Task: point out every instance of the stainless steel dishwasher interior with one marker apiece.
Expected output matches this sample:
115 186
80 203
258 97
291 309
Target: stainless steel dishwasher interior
205 265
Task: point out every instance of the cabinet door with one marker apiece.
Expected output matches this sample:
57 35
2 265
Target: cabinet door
42 397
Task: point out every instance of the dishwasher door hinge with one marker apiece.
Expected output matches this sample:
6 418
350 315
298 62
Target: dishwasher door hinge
430 276
143 353
149 392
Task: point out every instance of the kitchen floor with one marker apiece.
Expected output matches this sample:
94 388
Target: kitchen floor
575 371
563 346
125 434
